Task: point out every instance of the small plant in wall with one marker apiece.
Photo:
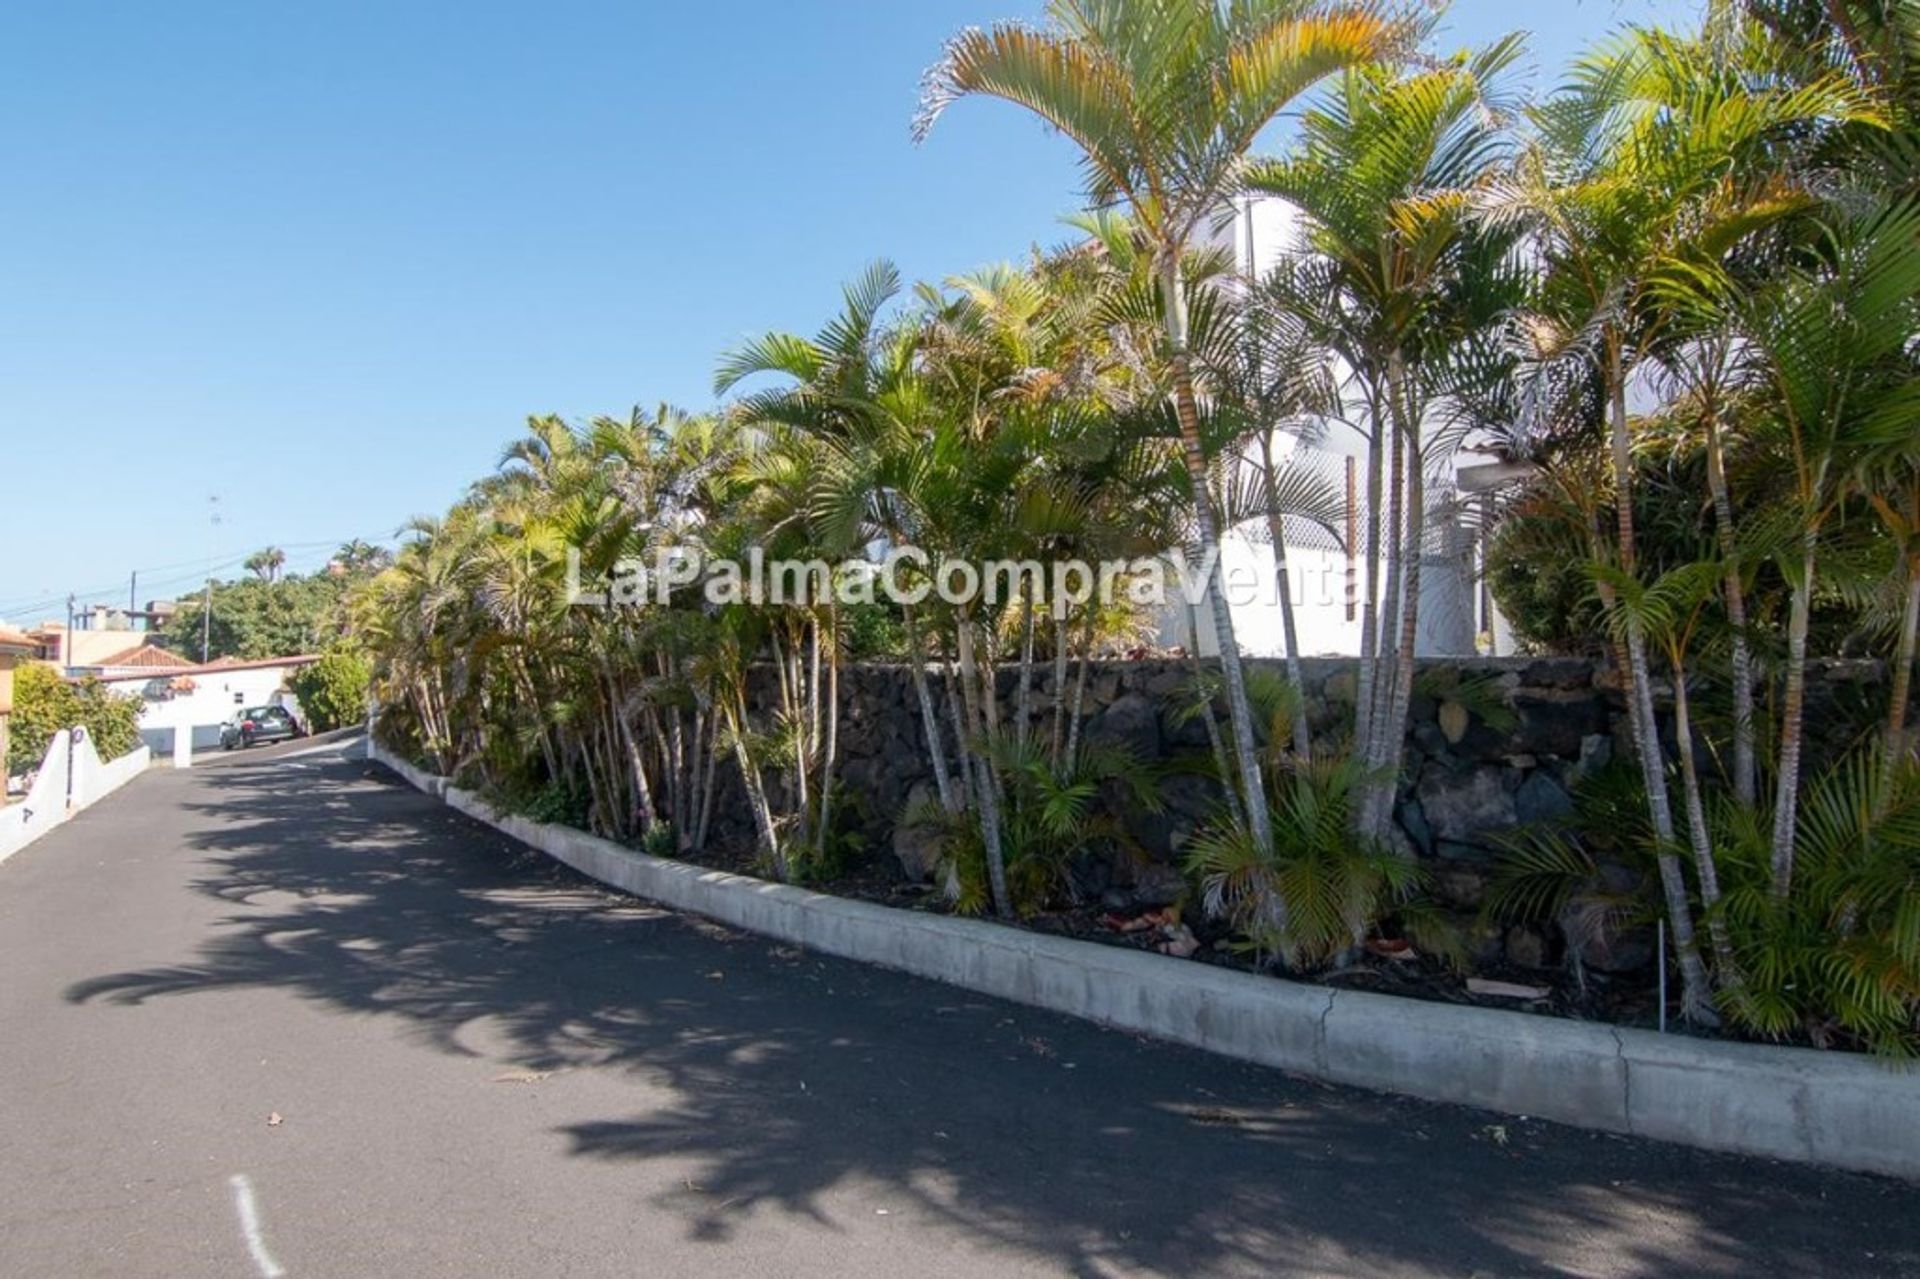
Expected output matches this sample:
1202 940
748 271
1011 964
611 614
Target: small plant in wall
1049 818
1337 888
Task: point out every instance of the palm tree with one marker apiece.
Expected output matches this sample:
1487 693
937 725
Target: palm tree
1891 486
1835 340
359 556
1164 99
1654 159
825 402
266 564
1402 283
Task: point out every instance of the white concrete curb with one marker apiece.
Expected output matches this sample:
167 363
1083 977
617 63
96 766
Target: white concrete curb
1784 1103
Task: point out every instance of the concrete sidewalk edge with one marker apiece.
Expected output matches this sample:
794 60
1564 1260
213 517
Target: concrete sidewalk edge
1839 1110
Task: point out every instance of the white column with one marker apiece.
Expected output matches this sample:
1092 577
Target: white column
183 746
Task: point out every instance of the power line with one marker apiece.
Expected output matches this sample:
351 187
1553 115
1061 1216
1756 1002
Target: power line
196 571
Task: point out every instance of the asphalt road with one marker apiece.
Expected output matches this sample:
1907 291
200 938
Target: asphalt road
280 1014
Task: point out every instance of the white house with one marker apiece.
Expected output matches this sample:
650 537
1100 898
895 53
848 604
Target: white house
1328 584
178 693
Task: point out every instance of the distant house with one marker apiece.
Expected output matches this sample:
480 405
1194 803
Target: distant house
197 696
140 659
15 647
97 634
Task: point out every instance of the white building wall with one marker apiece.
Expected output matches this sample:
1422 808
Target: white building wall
1262 232
216 695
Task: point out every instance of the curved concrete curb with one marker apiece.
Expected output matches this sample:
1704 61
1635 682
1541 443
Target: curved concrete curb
1785 1103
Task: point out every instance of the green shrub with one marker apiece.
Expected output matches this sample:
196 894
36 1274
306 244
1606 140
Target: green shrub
44 703
1839 959
1318 890
1047 820
333 690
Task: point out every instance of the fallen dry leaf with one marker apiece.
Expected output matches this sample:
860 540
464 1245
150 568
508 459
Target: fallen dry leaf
274 1120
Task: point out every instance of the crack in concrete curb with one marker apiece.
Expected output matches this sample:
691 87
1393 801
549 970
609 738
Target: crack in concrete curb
1626 1077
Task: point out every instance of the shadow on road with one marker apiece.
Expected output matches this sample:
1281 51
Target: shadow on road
795 1074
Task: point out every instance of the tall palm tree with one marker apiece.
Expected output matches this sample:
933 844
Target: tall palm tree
1655 158
1164 99
1401 281
361 556
1835 337
266 564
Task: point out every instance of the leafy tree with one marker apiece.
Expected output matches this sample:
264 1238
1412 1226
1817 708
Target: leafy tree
256 618
44 704
333 690
1659 157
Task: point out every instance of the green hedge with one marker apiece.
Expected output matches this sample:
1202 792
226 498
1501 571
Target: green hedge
43 704
333 691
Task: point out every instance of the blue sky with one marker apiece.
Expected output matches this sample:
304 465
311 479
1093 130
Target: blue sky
321 260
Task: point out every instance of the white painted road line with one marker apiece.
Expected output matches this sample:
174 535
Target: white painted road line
250 1227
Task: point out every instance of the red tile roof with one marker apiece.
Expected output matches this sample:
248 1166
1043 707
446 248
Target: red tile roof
218 666
144 657
231 663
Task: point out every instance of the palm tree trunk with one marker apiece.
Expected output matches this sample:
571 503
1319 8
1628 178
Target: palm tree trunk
707 786
1056 754
756 790
1746 769
1023 699
792 698
1077 716
1786 805
637 766
929 720
956 712
1186 408
1368 671
1390 743
1696 999
1391 622
1701 838
1276 533
690 807
1214 742
985 790
1896 748
830 750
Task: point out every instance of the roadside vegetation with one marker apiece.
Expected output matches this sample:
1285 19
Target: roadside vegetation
272 613
1678 292
45 704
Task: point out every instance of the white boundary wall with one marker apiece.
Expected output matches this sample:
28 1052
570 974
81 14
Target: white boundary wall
71 777
93 781
1798 1104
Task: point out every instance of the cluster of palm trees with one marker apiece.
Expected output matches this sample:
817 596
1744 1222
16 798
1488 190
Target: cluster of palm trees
266 563
1711 232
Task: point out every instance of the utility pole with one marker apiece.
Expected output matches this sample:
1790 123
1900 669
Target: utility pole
133 595
206 606
66 639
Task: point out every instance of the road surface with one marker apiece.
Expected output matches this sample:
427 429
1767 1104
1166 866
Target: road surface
281 1015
